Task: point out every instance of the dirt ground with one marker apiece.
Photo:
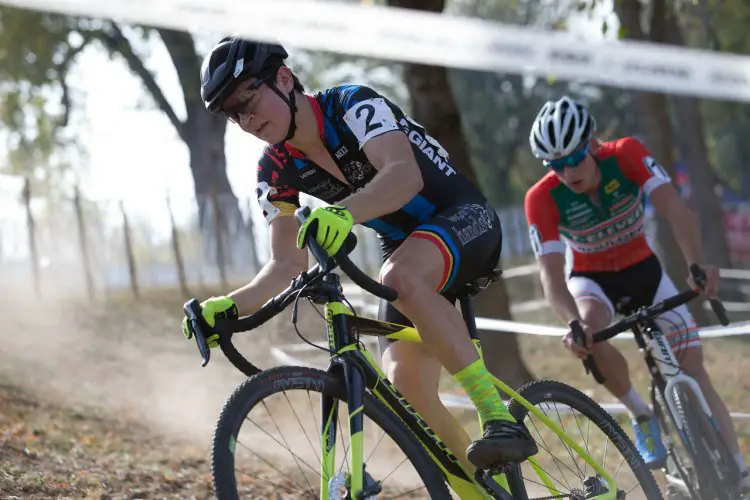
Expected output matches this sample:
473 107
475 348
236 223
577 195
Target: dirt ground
106 400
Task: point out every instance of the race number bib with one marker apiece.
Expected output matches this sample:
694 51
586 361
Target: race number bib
370 118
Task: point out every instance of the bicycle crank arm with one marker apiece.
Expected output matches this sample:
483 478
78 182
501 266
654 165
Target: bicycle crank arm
484 477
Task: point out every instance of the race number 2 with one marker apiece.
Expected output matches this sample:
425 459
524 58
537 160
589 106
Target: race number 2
370 118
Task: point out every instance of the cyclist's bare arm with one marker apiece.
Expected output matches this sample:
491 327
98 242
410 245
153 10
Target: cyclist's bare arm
552 275
682 220
398 179
286 262
543 218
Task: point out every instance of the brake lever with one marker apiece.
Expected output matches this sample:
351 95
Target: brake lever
321 257
196 323
579 337
699 276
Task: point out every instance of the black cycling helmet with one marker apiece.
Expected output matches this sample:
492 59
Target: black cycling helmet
234 60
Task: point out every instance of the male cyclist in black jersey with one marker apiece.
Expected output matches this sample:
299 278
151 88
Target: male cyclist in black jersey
351 147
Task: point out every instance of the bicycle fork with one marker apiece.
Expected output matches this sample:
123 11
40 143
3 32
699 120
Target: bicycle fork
355 386
667 376
333 485
665 360
329 410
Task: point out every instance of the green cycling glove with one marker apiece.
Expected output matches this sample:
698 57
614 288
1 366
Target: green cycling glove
213 308
332 225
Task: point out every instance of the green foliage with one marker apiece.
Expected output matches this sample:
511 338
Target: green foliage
498 109
36 52
719 25
321 70
722 26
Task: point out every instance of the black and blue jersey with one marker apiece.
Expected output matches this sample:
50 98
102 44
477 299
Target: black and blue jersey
348 116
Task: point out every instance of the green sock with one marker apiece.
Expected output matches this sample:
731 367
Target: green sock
476 381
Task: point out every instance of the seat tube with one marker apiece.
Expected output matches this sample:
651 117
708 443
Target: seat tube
467 311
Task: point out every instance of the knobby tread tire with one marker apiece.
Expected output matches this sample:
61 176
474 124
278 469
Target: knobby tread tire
280 379
541 391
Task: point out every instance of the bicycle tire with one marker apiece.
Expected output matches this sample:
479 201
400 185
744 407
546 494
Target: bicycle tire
679 461
704 442
258 387
542 391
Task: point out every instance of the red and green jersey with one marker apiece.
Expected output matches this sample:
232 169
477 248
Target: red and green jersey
606 237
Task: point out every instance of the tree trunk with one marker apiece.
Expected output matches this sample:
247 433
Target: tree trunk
703 181
209 168
208 163
653 112
502 352
204 134
434 107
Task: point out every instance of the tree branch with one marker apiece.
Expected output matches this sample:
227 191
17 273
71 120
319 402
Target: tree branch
65 99
187 63
62 72
116 41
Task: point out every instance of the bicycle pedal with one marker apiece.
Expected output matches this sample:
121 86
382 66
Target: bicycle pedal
675 493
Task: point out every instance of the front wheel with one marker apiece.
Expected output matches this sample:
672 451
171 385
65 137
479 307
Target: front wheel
714 467
251 451
557 469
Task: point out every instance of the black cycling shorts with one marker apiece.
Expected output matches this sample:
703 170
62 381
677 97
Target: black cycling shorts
469 237
629 289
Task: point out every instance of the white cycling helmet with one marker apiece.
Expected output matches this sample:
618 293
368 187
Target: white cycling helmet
559 128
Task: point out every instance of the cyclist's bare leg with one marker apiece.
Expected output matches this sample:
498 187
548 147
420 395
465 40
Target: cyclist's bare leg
691 359
415 271
415 371
609 360
614 367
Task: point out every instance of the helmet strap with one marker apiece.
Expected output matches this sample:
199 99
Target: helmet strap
290 101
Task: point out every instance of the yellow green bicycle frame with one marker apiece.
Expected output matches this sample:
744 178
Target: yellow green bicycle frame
361 371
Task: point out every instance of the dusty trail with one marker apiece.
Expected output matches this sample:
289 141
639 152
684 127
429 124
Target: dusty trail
131 363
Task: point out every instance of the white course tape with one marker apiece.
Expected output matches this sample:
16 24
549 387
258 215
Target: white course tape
517 271
501 325
737 274
529 269
462 402
433 38
454 401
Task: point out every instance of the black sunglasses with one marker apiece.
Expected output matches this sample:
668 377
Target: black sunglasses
233 113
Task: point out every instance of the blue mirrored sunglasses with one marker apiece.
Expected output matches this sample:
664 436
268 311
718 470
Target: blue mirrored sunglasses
572 160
